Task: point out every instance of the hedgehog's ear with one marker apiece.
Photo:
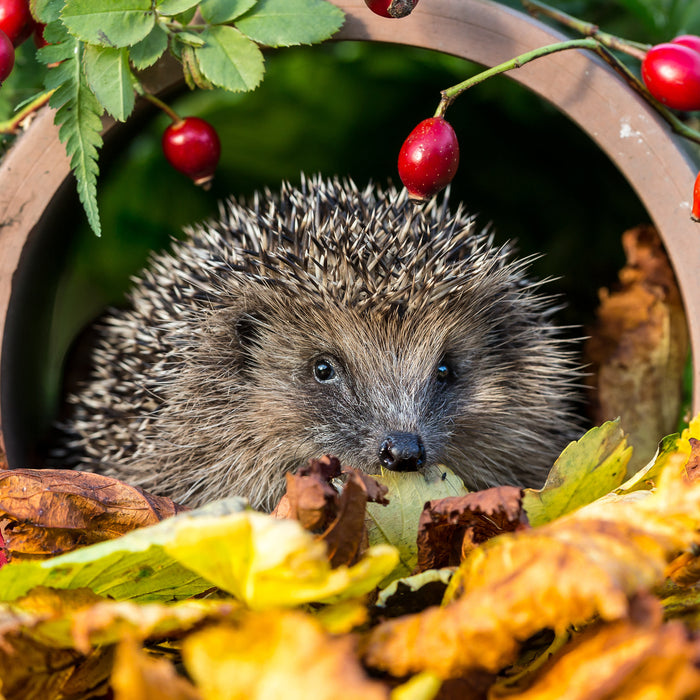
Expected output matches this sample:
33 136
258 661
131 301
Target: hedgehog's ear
248 326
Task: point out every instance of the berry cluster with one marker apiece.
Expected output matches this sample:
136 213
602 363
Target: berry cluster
671 72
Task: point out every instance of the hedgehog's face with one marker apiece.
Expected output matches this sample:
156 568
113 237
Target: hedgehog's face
375 389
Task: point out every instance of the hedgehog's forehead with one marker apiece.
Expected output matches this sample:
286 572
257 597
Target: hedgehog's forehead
362 259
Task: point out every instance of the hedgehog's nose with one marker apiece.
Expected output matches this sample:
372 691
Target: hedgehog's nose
402 452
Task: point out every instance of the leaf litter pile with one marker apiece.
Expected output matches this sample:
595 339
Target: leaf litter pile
400 586
397 586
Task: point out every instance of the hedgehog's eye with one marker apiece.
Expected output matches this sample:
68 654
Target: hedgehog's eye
324 370
443 372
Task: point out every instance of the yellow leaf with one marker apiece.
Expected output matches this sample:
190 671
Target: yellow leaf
268 562
583 565
137 676
276 655
624 660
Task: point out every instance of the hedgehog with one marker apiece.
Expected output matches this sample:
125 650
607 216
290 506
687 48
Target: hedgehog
326 319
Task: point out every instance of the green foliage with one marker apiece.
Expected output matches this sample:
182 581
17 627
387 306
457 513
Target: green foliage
95 43
585 471
78 114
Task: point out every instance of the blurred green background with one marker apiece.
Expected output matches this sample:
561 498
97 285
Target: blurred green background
345 109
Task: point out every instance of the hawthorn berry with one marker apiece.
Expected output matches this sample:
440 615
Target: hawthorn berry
16 20
391 8
429 158
671 72
695 211
690 40
7 56
192 147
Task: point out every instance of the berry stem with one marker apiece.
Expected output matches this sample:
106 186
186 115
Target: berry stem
632 48
592 43
14 124
174 116
451 93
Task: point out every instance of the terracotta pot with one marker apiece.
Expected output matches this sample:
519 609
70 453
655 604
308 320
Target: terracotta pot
35 180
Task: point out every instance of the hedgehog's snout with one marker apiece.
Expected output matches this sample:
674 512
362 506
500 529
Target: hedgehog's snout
402 452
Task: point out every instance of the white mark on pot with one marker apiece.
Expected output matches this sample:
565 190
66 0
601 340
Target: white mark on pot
684 205
627 132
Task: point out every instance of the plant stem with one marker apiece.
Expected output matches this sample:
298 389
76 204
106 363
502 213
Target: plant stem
13 125
591 43
451 93
176 118
632 48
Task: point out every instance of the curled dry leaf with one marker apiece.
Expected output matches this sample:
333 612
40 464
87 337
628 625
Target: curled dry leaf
584 565
626 660
449 528
30 668
49 511
338 519
277 655
310 497
639 345
56 645
138 676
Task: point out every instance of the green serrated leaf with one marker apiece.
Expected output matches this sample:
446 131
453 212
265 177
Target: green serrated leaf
397 523
291 22
229 59
108 74
585 471
150 49
220 11
46 11
55 32
78 115
174 7
114 23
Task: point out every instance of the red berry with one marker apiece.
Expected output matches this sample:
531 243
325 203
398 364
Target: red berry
7 56
671 73
16 20
192 147
391 8
429 158
695 212
689 40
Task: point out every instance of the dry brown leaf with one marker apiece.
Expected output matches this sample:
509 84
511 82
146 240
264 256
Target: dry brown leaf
584 565
638 347
138 676
51 511
31 670
310 497
449 528
338 519
277 655
637 659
